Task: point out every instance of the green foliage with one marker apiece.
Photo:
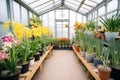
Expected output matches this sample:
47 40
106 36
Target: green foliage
11 62
24 50
112 23
90 25
115 53
105 59
98 47
90 43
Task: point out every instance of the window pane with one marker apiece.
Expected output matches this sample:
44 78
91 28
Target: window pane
24 16
101 11
73 2
45 20
71 5
72 18
97 1
16 8
90 3
59 14
84 19
44 5
28 1
39 2
90 17
65 14
52 22
79 17
30 14
112 5
3 30
86 7
82 10
3 9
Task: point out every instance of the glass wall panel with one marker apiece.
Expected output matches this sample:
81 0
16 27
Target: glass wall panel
24 16
16 8
101 11
45 19
59 14
72 18
30 14
65 14
3 31
52 21
3 9
84 19
79 17
39 2
112 5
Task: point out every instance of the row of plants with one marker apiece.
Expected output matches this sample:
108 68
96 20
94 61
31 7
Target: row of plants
95 50
62 43
106 30
20 48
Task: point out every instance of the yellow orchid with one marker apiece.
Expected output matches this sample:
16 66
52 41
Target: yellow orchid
6 24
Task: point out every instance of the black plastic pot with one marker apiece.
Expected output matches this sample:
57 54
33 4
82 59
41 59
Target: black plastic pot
41 52
37 57
97 62
11 77
115 73
25 67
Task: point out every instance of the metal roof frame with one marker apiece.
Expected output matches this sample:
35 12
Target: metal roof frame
62 3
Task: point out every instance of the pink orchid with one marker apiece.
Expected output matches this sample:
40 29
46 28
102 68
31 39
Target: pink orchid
7 38
3 55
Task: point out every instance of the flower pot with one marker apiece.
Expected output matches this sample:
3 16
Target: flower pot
82 53
115 73
32 61
97 62
25 67
37 57
41 52
76 48
10 77
104 74
89 57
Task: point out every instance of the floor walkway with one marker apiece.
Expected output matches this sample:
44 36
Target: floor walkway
61 65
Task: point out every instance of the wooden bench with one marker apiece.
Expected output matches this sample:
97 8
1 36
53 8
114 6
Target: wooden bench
36 66
90 66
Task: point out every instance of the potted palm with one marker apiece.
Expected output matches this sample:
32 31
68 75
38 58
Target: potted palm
104 70
98 48
115 59
9 57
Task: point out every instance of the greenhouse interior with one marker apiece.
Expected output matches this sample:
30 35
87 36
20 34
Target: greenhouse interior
60 40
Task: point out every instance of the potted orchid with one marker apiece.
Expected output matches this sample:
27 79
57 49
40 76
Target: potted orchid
9 57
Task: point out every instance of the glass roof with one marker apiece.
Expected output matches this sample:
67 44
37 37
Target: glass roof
80 6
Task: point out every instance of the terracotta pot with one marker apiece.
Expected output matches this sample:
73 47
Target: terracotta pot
76 48
104 74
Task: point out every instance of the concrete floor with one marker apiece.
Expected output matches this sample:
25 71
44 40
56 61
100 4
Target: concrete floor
61 65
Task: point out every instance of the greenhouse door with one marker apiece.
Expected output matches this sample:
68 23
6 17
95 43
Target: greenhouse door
61 29
61 20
